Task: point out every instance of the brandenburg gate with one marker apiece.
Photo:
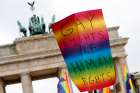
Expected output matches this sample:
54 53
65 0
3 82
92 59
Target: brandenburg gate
38 57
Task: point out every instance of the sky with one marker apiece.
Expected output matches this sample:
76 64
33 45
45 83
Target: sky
123 13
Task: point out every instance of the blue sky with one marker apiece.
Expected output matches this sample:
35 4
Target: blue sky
123 13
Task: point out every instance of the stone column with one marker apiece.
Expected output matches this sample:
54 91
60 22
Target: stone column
120 86
138 85
2 86
26 83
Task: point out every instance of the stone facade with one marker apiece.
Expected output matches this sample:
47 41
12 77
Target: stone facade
38 57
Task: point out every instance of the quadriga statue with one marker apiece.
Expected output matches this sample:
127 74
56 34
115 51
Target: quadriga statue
36 26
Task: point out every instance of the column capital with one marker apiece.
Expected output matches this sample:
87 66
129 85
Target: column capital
120 57
25 73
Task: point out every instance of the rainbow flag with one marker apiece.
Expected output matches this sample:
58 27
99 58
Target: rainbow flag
64 84
128 82
132 89
126 77
105 90
84 43
60 86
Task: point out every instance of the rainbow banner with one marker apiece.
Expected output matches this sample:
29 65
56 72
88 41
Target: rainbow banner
128 81
64 84
60 86
132 89
126 77
104 90
84 43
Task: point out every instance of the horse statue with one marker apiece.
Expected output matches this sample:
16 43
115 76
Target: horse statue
22 29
